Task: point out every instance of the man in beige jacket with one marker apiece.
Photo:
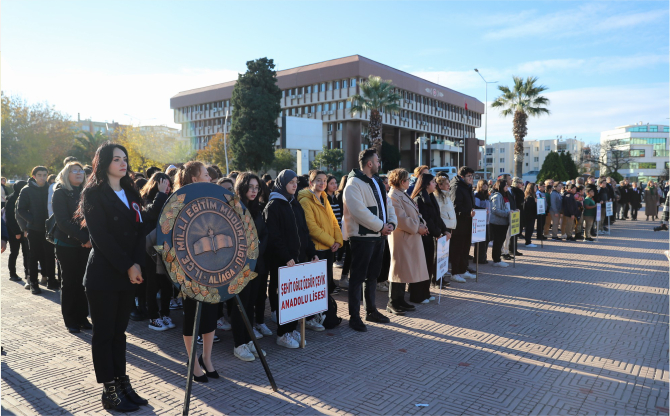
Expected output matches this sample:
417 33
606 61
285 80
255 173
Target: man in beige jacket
367 219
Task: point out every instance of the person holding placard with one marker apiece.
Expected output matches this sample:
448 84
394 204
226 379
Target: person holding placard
601 197
482 201
464 203
555 209
570 211
430 212
408 263
529 213
289 243
541 201
500 209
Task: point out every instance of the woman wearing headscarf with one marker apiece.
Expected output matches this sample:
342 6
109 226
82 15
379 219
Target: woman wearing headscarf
289 243
430 212
408 264
482 202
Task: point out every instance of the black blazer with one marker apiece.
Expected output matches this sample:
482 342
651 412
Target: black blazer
117 238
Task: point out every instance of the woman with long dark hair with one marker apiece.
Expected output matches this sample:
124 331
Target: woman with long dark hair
154 195
430 212
500 209
248 189
529 213
195 172
73 245
111 209
482 201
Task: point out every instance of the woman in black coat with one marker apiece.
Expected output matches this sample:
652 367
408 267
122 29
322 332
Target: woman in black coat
529 213
111 209
17 237
289 243
73 246
430 211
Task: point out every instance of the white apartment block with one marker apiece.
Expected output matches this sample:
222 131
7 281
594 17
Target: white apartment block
500 156
646 145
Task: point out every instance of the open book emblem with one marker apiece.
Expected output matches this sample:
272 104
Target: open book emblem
212 243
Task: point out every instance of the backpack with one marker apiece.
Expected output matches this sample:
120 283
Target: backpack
50 225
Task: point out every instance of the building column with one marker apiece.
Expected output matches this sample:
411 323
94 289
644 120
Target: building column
412 147
351 135
430 154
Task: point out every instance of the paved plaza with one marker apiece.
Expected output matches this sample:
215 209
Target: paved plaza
573 329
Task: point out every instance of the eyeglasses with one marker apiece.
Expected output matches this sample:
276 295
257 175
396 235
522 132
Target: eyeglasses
468 176
75 171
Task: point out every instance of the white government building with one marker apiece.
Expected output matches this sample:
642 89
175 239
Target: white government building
500 156
646 144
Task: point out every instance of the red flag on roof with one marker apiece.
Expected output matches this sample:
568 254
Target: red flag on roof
466 105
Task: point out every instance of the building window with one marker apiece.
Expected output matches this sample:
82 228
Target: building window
340 105
348 104
323 87
489 151
666 129
526 164
502 160
489 160
638 128
547 148
637 153
353 82
344 83
318 108
330 126
501 170
501 150
329 86
326 107
336 85
339 126
536 159
526 154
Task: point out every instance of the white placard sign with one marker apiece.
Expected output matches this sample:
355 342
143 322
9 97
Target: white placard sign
442 257
609 208
598 212
479 226
541 206
303 291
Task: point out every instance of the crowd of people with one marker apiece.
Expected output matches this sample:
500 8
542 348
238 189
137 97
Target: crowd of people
96 225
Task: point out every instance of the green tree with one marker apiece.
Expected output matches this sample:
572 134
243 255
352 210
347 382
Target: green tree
256 107
552 168
86 144
33 135
330 158
569 165
376 96
215 151
283 159
390 157
521 101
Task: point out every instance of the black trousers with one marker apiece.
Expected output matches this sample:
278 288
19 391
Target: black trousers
157 282
540 226
529 226
258 315
274 302
499 234
633 211
73 302
239 330
366 261
346 267
386 266
14 247
397 294
329 256
482 246
41 251
459 249
420 291
110 312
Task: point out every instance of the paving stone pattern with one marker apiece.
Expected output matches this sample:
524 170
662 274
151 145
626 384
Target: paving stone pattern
573 329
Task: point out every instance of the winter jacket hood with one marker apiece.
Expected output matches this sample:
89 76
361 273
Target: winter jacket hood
364 207
321 221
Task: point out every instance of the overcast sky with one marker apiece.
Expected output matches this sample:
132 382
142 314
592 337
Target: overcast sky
606 64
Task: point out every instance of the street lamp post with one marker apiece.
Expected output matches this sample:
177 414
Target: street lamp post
486 122
225 141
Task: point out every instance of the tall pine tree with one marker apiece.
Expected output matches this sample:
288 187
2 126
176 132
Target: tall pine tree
552 168
254 131
569 165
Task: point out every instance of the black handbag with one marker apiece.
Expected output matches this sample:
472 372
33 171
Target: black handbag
50 225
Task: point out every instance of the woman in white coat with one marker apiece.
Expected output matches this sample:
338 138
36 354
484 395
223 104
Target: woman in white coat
408 262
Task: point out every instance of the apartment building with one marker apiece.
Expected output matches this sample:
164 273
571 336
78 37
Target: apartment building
500 156
437 119
645 147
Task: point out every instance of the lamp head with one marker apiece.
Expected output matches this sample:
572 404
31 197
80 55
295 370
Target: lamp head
476 70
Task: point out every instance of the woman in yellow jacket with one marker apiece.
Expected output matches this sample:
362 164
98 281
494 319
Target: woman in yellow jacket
323 226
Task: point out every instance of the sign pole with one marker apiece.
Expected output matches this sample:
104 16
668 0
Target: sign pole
477 264
191 358
302 333
514 257
439 298
256 344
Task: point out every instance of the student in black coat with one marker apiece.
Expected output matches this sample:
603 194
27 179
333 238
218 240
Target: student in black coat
73 245
111 209
430 211
529 213
288 244
464 203
17 236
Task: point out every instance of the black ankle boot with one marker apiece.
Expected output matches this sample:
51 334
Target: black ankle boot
127 390
112 398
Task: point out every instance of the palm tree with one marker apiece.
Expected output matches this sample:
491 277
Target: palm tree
377 96
523 100
86 144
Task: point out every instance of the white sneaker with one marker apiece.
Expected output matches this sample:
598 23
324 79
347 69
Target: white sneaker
382 287
263 329
273 316
257 333
531 245
319 318
432 298
425 301
344 281
314 325
173 304
253 350
223 325
457 278
500 264
296 336
168 322
287 341
242 352
157 325
468 275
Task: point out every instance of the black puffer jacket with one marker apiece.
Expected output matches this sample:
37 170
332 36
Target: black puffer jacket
288 235
13 226
430 211
32 206
64 204
463 199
